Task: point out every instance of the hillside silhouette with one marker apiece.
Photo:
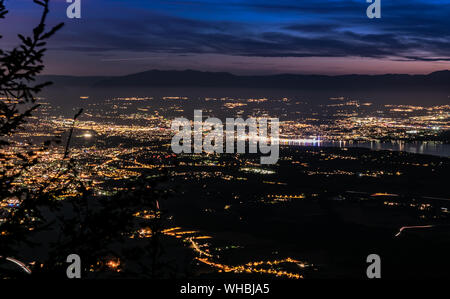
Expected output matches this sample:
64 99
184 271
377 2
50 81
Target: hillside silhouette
191 78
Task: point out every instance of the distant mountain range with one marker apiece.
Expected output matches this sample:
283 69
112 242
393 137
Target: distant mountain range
437 80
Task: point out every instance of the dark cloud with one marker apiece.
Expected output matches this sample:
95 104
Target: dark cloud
266 28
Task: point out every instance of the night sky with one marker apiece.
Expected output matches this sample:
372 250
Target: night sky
241 36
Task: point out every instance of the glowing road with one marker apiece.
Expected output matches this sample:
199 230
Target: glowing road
18 263
411 227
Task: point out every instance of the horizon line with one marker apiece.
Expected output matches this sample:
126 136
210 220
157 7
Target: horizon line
252 75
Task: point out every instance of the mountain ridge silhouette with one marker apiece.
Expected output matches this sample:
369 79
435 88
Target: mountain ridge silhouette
193 78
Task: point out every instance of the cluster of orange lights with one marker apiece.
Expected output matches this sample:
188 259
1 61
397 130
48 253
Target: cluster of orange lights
261 267
114 265
251 268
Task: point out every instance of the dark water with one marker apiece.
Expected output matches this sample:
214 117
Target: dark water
426 147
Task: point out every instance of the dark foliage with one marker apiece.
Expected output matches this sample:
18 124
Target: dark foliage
98 229
18 70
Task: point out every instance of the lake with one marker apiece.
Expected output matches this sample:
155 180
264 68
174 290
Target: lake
425 147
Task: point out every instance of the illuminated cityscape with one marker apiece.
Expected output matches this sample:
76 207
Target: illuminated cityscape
224 147
361 145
